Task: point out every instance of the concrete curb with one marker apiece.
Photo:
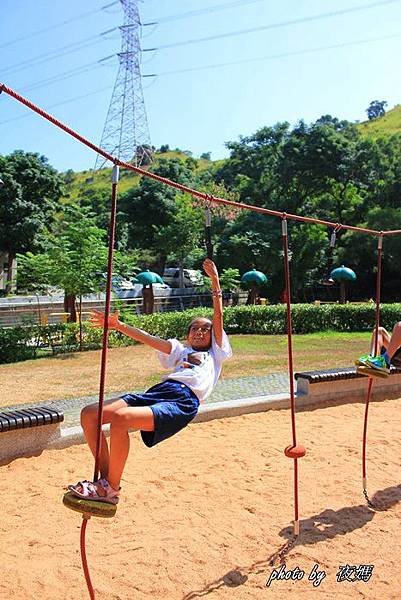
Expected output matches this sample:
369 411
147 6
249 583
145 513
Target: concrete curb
71 436
33 441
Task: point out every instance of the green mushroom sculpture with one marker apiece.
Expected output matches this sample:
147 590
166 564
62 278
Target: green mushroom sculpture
343 275
147 279
252 280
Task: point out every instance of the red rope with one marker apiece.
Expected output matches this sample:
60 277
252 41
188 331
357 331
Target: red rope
112 229
392 232
103 366
376 349
165 181
84 560
291 368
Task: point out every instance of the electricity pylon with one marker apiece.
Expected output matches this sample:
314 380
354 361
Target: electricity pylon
126 132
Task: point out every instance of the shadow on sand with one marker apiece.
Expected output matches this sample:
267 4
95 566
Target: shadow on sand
318 528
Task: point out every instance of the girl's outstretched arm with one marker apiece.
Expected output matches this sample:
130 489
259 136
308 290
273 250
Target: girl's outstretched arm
217 296
97 320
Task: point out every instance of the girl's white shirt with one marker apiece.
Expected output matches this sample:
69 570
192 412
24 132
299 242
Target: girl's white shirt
202 374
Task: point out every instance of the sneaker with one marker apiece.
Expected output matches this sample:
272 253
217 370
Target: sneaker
379 363
362 361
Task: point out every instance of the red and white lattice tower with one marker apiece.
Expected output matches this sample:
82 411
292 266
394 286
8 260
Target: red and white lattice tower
126 133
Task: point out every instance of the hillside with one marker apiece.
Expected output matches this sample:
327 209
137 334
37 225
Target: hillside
389 124
78 183
101 180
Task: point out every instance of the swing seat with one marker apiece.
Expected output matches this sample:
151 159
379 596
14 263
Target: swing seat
369 372
89 508
297 451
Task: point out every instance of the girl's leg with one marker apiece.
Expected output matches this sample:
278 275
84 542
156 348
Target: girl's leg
122 421
395 341
383 340
89 416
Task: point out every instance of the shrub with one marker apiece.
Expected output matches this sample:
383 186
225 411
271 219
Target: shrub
17 343
22 343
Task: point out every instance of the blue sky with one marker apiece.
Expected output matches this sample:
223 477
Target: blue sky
323 70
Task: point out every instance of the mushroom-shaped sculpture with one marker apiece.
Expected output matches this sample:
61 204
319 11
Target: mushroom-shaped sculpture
252 280
342 275
147 278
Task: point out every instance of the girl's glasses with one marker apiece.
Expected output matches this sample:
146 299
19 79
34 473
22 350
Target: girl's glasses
204 328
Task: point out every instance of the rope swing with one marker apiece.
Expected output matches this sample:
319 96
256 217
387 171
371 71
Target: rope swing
90 508
371 377
208 232
294 451
328 281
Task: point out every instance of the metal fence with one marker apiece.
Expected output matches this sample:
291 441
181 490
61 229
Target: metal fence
47 312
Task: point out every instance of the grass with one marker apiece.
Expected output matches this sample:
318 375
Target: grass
389 124
101 180
136 367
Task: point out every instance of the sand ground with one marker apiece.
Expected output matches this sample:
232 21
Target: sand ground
202 514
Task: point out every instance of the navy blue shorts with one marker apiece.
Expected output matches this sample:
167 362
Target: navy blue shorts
173 405
396 358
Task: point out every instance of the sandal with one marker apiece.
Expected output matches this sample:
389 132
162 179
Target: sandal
88 490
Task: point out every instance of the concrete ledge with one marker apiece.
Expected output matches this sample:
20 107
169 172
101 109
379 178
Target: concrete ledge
348 389
70 436
243 406
30 442
27 442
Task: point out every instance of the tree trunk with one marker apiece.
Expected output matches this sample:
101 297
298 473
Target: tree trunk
160 263
252 295
80 323
151 300
148 300
3 256
181 283
10 262
342 292
70 308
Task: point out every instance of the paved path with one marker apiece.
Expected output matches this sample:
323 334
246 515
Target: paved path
226 389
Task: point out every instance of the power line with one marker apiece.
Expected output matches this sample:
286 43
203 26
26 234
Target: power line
56 25
31 114
51 55
275 56
62 76
200 11
318 17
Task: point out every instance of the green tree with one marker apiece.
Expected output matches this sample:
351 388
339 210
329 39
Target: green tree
73 260
376 109
151 207
325 170
230 280
254 241
183 235
359 252
28 200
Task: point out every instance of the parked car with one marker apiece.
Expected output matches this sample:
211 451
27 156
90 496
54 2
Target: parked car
119 283
192 278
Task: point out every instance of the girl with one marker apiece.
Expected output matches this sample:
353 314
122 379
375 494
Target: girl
165 408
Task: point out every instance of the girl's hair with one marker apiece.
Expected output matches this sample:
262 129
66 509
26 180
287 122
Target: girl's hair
194 321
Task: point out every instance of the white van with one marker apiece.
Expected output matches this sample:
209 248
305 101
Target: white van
192 278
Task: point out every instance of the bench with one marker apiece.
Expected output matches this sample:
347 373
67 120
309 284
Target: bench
344 383
27 431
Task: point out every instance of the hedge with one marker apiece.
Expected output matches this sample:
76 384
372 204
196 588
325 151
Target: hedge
21 343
